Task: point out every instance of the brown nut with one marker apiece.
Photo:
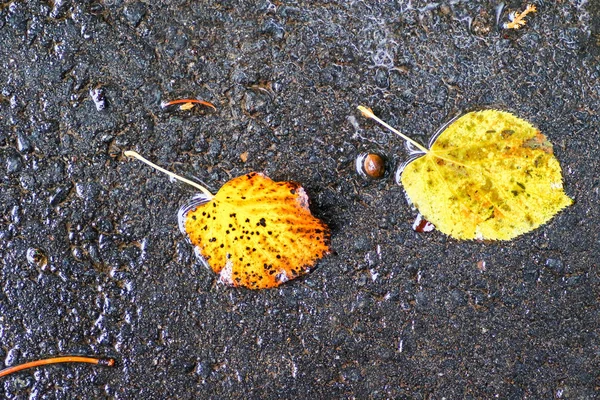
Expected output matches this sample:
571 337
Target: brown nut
370 165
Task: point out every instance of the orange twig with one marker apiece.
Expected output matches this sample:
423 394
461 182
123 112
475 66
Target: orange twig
166 104
108 362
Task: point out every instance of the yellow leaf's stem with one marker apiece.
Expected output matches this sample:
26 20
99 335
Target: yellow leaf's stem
367 112
204 190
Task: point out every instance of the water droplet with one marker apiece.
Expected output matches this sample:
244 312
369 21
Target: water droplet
190 205
201 259
77 253
442 128
37 258
370 165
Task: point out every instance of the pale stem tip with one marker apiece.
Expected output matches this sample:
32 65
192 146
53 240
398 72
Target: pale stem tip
368 113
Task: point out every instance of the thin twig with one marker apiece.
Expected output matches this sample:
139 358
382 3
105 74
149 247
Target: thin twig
166 104
108 362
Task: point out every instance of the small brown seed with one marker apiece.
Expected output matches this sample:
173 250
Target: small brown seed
374 166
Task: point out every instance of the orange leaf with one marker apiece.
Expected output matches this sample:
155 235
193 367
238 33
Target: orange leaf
254 232
257 233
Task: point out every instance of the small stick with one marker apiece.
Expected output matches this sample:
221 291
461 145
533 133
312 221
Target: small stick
367 112
166 104
108 362
204 190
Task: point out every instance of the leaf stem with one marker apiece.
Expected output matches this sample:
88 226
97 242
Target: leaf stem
204 190
109 362
367 112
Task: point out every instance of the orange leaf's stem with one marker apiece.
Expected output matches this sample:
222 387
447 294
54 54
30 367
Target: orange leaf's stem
367 112
204 190
185 101
109 362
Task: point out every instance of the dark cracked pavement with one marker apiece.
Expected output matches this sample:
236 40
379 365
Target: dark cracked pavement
93 263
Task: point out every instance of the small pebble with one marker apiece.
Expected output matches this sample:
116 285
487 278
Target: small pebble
134 12
36 258
555 265
13 164
97 96
274 29
445 9
23 144
60 194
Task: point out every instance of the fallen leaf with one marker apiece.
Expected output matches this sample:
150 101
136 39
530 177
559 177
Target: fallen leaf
244 156
258 233
488 175
517 19
254 232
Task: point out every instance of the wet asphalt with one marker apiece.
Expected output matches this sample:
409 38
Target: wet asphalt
93 263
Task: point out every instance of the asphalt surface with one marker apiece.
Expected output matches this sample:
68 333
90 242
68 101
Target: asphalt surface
92 261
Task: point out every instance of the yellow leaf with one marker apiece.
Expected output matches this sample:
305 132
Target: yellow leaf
258 233
489 175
